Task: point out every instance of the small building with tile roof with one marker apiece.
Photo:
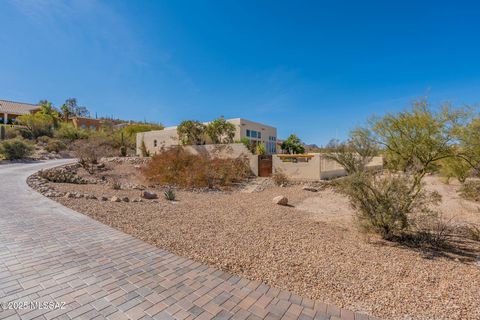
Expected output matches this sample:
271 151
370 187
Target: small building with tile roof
10 110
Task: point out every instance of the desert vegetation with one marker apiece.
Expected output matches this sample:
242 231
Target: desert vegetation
193 132
49 131
180 168
415 143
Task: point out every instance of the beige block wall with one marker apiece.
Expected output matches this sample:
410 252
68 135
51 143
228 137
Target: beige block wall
317 168
300 170
164 138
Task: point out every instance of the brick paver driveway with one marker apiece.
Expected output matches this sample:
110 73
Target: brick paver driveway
50 255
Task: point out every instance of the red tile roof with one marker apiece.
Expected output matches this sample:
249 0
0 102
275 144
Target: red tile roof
17 108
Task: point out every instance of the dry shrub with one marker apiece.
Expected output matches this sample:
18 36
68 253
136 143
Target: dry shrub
90 151
279 178
470 190
388 204
55 145
470 231
176 166
15 149
61 175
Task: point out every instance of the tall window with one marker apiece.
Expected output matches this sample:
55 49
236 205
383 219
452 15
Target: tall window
248 133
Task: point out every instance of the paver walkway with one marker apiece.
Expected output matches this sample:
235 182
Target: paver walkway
49 253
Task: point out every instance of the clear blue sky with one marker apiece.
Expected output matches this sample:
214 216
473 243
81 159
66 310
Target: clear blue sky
315 68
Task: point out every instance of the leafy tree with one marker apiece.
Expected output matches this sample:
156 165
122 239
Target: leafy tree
71 109
293 145
191 132
220 131
469 143
48 109
455 167
355 153
414 142
35 125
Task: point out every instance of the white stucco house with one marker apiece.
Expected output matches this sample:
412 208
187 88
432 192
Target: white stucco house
254 131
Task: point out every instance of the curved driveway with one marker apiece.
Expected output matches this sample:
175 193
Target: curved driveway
56 263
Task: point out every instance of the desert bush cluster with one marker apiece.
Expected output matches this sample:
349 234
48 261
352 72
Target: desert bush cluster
414 143
62 175
178 167
470 190
50 129
16 148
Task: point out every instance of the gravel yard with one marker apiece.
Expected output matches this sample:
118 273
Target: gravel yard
306 248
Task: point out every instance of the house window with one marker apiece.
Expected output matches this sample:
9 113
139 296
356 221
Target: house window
259 135
254 134
154 143
248 133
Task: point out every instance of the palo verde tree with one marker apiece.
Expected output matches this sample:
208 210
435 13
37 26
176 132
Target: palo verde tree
413 143
293 145
191 132
355 153
220 131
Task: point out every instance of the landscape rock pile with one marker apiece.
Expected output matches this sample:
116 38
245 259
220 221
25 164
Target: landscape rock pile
129 160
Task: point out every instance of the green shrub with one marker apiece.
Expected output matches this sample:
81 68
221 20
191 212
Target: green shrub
470 190
68 132
35 125
386 204
455 168
11 132
55 146
176 166
260 149
169 194
14 149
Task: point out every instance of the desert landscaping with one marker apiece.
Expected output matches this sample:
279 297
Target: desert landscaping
310 247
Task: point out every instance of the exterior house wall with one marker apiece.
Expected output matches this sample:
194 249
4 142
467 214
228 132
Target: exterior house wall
86 123
317 168
158 139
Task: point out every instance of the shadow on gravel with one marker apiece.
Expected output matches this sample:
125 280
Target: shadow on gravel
454 248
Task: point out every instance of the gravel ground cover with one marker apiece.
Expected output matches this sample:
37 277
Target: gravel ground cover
293 249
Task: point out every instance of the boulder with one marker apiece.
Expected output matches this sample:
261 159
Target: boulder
149 195
69 195
115 199
125 199
308 188
90 196
280 200
103 198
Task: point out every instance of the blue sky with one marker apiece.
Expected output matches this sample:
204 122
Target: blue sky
316 68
